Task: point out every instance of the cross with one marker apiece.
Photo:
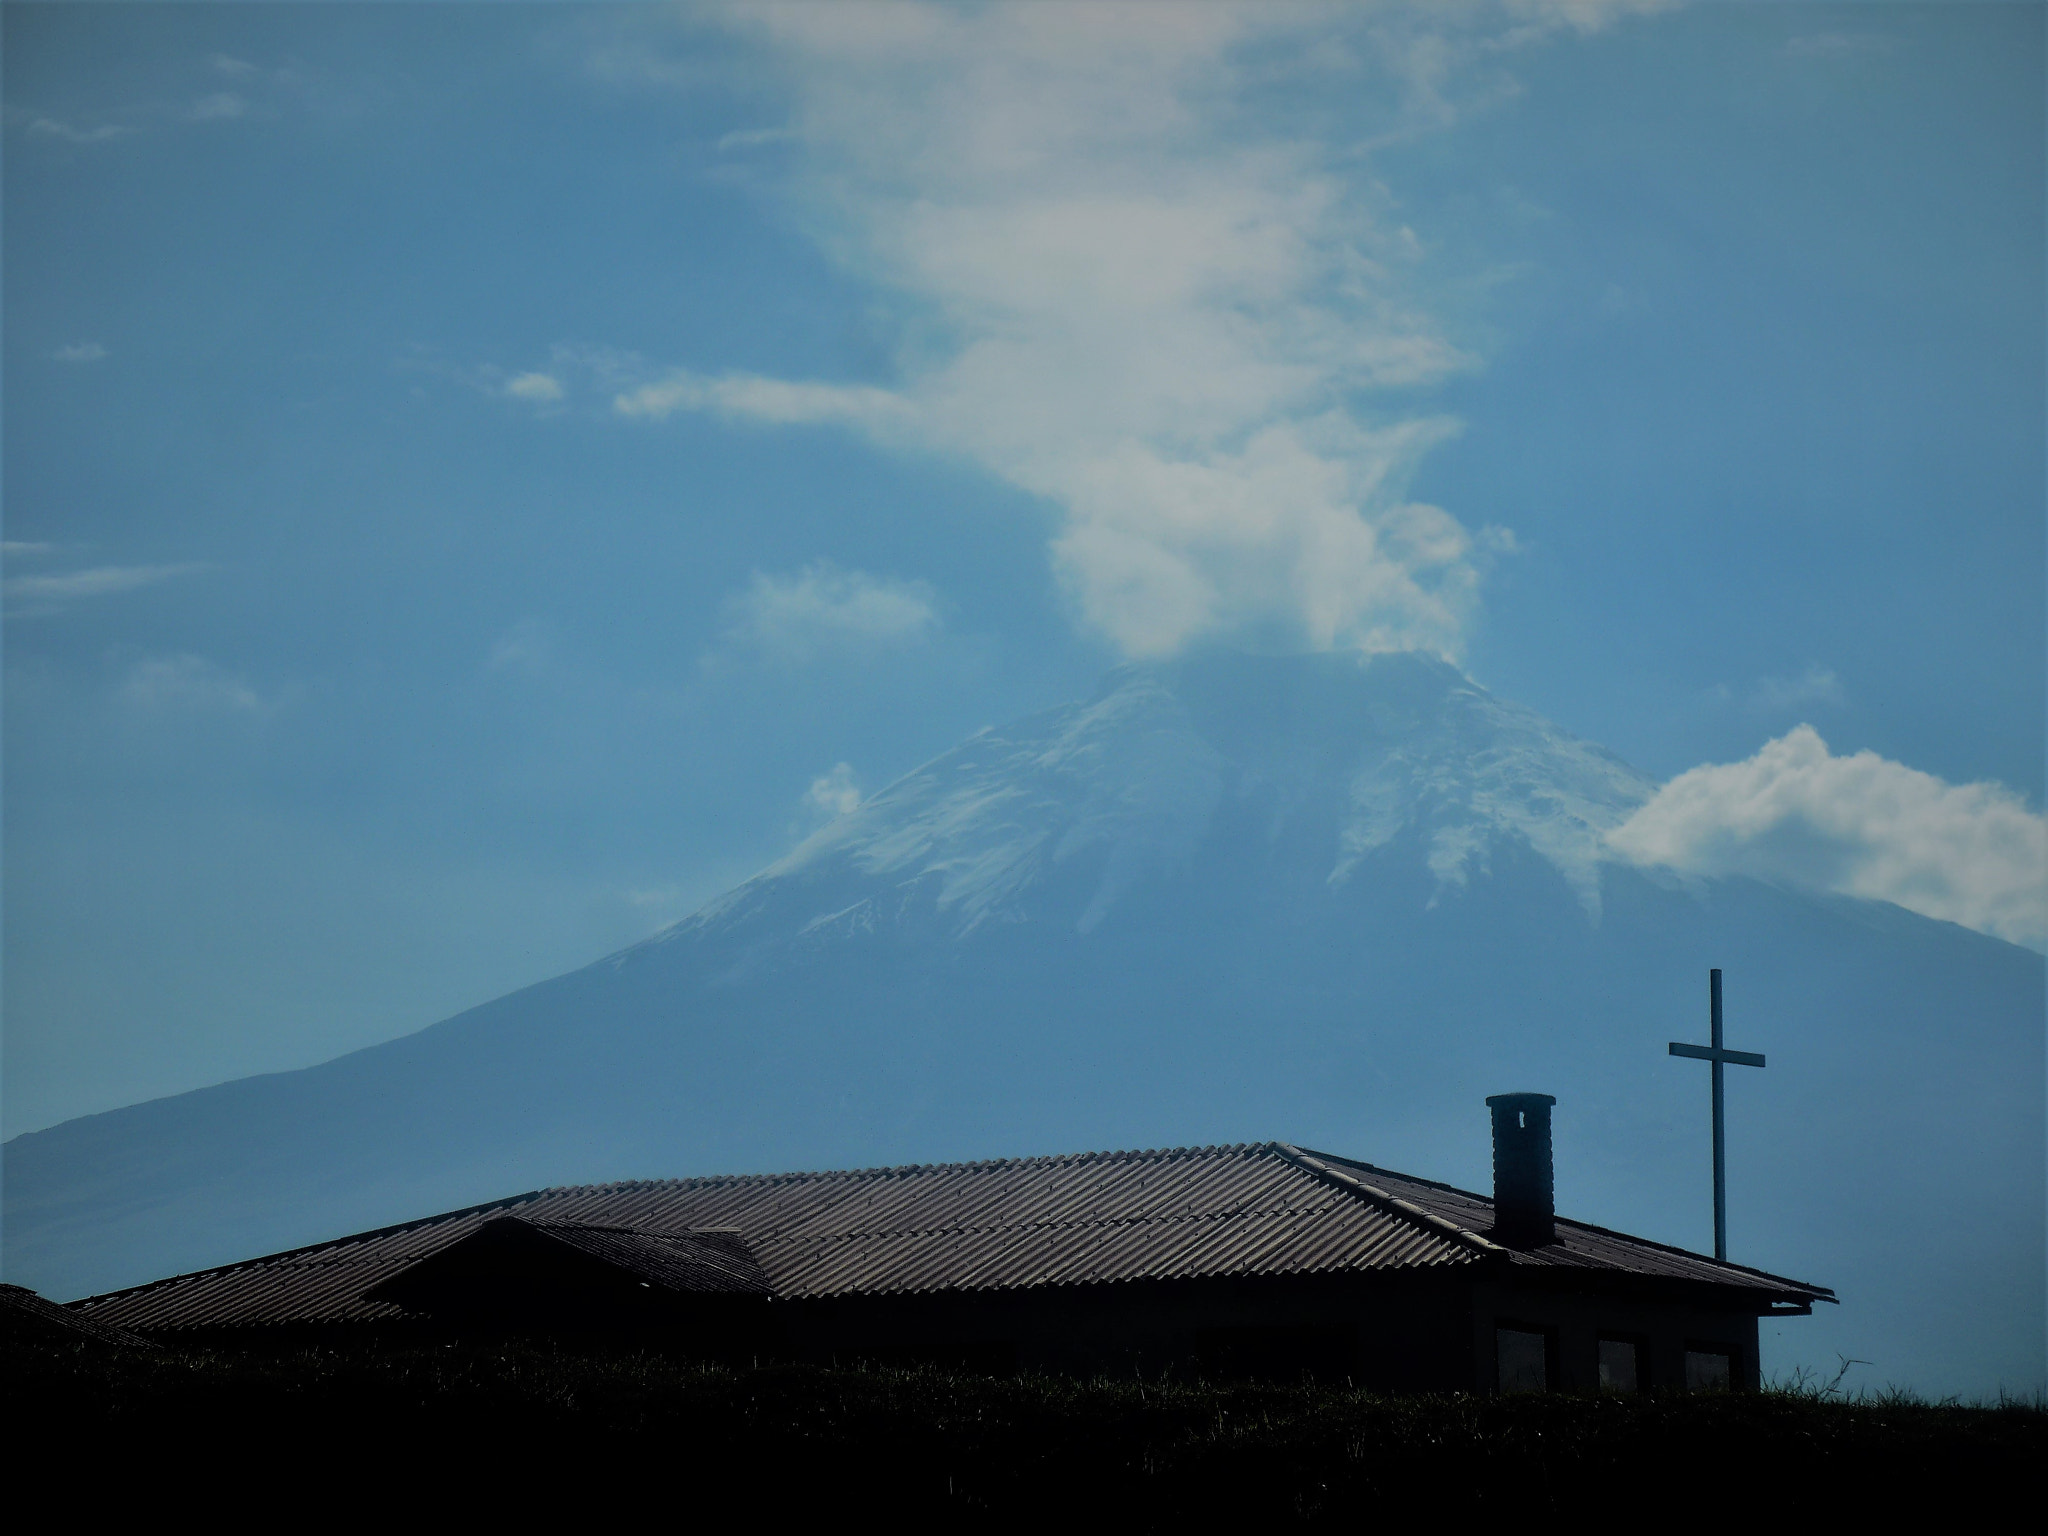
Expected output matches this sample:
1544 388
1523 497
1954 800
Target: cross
1718 1055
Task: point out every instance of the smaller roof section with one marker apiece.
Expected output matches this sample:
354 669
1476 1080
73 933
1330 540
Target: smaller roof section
528 1265
26 1316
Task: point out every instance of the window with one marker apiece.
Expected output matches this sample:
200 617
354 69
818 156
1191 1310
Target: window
1524 1359
1618 1365
1709 1370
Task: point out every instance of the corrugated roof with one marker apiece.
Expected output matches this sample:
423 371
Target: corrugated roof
1578 1244
24 1314
697 1263
1101 1217
678 1261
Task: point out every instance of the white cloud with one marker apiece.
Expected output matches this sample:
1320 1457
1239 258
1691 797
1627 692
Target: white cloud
1199 341
100 581
538 387
1816 685
1860 825
229 65
777 401
14 549
80 352
833 794
186 682
823 609
51 127
1583 15
219 106
1835 45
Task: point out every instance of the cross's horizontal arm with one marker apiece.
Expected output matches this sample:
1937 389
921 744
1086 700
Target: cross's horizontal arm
1709 1053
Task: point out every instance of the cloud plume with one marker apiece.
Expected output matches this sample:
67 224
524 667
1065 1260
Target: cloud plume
1202 347
1860 825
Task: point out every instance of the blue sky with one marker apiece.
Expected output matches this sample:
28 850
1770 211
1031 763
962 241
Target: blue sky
481 480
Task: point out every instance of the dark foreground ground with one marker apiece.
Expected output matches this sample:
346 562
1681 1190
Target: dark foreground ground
324 1434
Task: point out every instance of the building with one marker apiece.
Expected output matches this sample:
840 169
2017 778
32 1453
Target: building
1258 1260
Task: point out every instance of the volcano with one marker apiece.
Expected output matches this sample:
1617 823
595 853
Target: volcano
1331 899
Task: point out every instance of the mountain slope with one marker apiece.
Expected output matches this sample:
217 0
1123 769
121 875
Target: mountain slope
1234 898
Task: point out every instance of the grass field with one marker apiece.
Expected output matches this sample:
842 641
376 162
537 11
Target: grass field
366 1431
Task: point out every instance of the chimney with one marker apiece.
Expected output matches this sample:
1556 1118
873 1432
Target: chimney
1524 1208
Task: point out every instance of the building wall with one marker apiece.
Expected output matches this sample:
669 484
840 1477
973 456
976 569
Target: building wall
1397 1333
1662 1328
1421 1331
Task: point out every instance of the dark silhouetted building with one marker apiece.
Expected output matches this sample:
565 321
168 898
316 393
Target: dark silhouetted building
1263 1260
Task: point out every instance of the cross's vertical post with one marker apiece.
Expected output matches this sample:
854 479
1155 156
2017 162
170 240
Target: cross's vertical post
1719 1056
1720 1120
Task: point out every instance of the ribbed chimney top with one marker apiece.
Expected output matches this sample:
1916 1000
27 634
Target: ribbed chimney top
1524 1191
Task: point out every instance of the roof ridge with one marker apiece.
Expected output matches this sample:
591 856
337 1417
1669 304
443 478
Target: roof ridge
1405 1178
1394 1204
1151 1154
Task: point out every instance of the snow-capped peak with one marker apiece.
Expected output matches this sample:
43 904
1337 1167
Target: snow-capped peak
1338 756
